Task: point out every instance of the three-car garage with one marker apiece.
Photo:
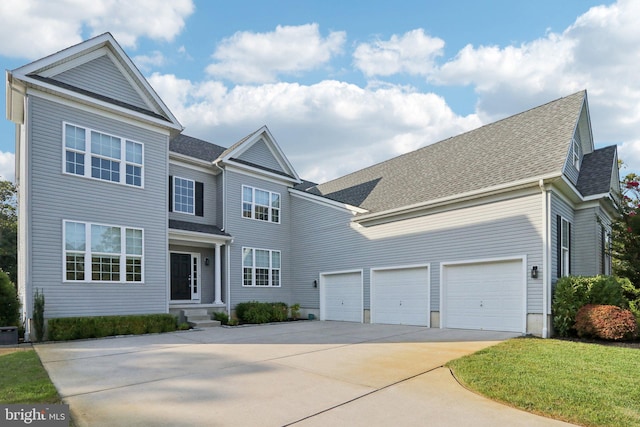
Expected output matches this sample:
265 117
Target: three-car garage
475 294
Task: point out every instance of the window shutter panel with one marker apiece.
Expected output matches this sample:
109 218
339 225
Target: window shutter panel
199 199
559 246
170 193
569 224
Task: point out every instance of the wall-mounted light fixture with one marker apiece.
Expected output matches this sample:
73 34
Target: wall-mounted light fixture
206 261
534 272
315 283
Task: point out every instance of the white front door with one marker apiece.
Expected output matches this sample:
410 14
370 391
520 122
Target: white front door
185 276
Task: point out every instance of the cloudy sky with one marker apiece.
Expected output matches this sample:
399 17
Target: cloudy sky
342 85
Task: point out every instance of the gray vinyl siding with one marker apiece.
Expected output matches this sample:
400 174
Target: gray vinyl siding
326 241
260 235
207 284
588 241
101 76
56 196
210 194
260 154
560 207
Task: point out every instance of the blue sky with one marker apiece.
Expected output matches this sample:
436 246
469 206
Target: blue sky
343 85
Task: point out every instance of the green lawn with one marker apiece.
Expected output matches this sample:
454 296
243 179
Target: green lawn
587 384
24 380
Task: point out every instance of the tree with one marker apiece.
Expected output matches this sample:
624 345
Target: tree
8 230
625 232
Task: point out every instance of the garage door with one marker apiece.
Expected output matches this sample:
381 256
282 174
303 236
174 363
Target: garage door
400 296
341 296
484 295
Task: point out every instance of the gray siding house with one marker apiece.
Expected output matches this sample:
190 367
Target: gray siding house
120 212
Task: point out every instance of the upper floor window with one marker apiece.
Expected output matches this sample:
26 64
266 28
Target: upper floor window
260 204
260 267
564 247
102 253
576 154
183 195
97 155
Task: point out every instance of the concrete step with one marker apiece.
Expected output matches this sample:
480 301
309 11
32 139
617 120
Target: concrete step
194 318
203 323
188 312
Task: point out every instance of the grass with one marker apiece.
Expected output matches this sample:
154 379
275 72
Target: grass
23 379
586 384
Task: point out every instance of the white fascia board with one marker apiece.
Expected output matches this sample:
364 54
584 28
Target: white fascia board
326 202
44 89
192 163
197 237
417 207
232 166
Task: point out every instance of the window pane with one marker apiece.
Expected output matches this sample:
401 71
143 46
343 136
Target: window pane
262 277
134 175
246 210
75 266
247 194
105 145
134 269
134 241
262 258
247 276
105 239
275 200
183 195
275 278
74 238
247 257
565 234
75 163
134 152
275 215
105 268
262 197
105 169
74 137
262 213
275 259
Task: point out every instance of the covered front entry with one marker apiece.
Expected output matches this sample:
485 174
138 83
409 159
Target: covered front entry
487 295
185 276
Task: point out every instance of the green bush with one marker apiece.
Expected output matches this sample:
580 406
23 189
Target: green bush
74 328
633 296
295 311
574 292
38 315
607 322
9 303
221 317
261 312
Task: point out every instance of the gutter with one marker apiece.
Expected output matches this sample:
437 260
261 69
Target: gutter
224 229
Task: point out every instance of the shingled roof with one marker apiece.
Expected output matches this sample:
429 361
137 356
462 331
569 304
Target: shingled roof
527 145
196 148
595 171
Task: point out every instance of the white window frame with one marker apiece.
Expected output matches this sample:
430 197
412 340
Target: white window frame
89 155
271 269
273 213
193 195
566 249
575 148
88 254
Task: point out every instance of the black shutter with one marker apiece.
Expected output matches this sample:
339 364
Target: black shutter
170 193
559 246
569 225
199 199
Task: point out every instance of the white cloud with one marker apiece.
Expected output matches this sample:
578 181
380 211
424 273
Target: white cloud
7 166
248 57
414 53
146 62
38 27
327 129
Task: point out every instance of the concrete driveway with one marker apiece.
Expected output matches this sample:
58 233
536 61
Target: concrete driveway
300 373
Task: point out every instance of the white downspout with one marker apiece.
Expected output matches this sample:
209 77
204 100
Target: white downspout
546 270
229 242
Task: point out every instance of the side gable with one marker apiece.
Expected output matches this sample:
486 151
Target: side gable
580 146
259 152
96 72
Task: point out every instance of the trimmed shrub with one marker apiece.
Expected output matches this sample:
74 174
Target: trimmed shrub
74 328
573 292
221 317
633 295
607 322
261 312
9 303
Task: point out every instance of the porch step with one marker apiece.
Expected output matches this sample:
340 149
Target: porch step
199 318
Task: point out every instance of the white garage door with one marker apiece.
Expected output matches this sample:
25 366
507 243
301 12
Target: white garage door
487 295
400 296
341 296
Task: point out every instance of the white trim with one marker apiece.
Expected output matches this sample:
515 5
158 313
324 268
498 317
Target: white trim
560 238
253 268
195 296
157 126
191 163
258 173
444 264
326 202
546 257
322 290
196 237
88 155
253 205
75 62
372 276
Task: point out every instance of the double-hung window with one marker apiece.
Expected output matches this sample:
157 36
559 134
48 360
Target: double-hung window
575 153
260 204
564 247
97 155
260 267
183 195
102 253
